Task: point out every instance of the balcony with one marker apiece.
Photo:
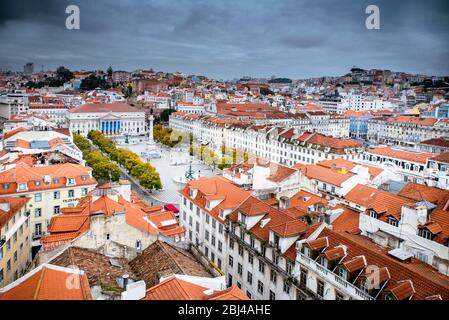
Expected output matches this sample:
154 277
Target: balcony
334 279
2 240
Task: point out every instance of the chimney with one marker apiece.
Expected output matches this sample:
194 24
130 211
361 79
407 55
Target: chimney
125 279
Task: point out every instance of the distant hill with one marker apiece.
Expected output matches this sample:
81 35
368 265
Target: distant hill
280 80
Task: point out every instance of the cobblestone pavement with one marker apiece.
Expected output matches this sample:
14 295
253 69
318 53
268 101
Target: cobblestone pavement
167 172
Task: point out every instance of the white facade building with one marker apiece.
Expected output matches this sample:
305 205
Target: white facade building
113 119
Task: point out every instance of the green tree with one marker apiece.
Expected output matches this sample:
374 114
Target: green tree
150 180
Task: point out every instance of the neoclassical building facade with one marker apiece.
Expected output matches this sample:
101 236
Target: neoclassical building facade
113 119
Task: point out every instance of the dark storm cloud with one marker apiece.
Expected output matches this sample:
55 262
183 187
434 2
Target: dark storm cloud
227 39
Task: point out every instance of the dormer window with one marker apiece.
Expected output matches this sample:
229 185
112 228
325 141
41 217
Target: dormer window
6 186
207 204
342 273
392 221
373 214
306 251
22 186
425 234
56 181
84 178
70 181
322 261
365 286
37 183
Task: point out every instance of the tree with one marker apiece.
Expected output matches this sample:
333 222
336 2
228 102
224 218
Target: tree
109 72
150 180
92 82
63 74
165 115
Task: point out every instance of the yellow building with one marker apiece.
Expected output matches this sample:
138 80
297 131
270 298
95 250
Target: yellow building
15 241
50 188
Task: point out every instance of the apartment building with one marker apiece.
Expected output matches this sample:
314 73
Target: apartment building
406 130
343 266
414 221
50 188
278 144
204 206
262 251
15 242
402 165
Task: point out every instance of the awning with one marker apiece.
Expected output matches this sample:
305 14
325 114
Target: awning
171 208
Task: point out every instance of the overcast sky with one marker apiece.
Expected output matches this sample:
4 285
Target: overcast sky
227 39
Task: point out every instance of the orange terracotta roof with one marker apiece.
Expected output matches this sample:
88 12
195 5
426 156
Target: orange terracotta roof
330 176
174 288
417 157
289 228
383 202
211 186
48 282
426 281
15 204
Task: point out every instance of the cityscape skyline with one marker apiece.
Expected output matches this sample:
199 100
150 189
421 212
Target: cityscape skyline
294 40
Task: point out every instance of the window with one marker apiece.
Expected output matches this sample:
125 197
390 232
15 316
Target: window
22 186
108 236
38 197
250 278
286 287
303 278
273 276
207 235
37 183
252 242
212 256
339 296
220 246
197 228
272 295
240 250
219 263
213 240
260 287
322 261
231 244
70 181
214 223
288 267
365 286
250 258
207 218
190 221
320 288
56 195
393 221
184 215
37 212
239 285
138 244
342 273
239 269
84 191
231 261
2 276
206 251
229 280
198 211
425 234
56 209
71 193
220 228
306 251
261 266
248 294
373 214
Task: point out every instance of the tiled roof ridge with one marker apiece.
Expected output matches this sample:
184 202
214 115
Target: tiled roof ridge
39 283
173 261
